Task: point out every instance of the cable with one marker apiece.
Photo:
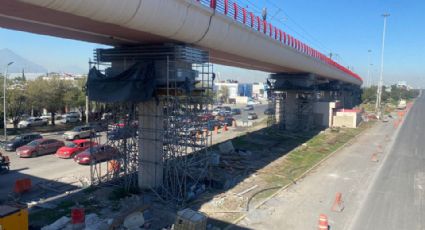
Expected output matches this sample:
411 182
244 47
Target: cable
302 32
297 24
311 40
317 41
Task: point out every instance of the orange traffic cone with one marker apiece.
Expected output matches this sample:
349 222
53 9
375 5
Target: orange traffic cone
374 157
338 205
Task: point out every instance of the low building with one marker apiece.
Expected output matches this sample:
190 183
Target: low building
258 90
245 90
232 88
348 118
324 112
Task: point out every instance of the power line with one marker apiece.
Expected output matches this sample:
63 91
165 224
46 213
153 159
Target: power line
308 37
303 33
299 26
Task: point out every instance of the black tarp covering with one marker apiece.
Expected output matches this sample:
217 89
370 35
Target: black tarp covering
136 84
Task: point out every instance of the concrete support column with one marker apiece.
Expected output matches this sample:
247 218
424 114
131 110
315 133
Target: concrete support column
280 109
291 107
151 135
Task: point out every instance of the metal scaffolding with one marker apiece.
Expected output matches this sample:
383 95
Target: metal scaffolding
183 135
305 118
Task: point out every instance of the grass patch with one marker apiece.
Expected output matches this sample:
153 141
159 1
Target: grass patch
47 216
303 158
90 189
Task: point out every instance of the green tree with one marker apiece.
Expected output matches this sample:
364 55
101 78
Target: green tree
369 94
75 96
17 99
48 94
223 93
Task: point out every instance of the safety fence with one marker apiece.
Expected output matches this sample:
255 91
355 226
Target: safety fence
242 15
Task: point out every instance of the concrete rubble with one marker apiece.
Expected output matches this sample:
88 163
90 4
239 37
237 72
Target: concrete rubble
61 223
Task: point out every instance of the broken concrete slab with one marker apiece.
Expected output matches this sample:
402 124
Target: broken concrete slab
226 147
134 221
58 224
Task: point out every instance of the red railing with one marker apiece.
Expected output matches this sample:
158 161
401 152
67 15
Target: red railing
242 15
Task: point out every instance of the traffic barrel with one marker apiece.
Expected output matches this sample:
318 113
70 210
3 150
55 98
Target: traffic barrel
77 218
323 222
22 185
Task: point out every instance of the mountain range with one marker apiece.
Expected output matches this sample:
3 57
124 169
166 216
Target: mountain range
19 63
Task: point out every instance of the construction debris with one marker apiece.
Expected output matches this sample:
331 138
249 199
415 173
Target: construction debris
188 219
226 147
134 221
59 224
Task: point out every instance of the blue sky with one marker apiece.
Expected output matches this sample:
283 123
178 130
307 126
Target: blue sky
347 28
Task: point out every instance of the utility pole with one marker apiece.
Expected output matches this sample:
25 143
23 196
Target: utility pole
87 97
381 82
369 80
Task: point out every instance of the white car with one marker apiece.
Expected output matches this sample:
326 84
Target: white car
71 118
79 132
253 103
252 116
215 112
33 121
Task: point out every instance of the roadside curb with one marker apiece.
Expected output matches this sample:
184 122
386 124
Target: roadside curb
297 179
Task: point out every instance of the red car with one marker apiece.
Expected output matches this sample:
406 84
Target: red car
206 117
72 148
39 147
98 153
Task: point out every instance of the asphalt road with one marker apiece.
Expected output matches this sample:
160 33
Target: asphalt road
49 167
258 109
40 169
396 199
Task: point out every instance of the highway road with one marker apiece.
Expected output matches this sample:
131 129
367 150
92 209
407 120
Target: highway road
396 199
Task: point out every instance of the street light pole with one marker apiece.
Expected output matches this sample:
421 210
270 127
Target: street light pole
380 84
4 100
369 80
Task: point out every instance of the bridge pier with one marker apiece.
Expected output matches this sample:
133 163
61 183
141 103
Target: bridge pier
151 136
294 112
304 108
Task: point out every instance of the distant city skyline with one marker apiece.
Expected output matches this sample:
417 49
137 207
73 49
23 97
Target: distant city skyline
348 31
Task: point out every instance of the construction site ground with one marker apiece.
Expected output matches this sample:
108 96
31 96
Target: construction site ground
263 162
275 160
349 171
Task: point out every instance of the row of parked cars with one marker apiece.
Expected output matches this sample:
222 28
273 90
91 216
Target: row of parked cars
83 151
28 121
